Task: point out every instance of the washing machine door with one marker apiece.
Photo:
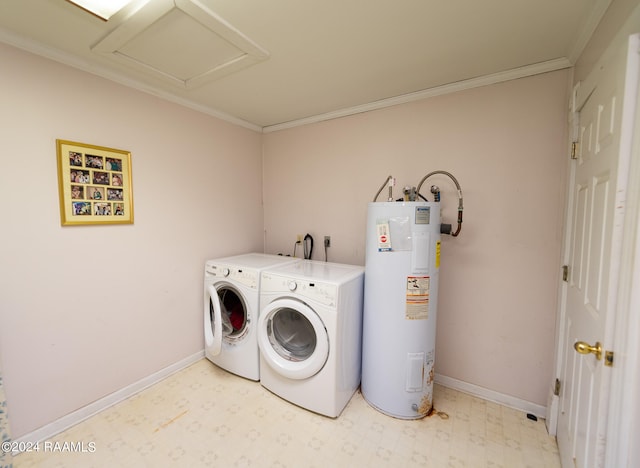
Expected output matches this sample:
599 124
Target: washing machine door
292 339
213 322
226 316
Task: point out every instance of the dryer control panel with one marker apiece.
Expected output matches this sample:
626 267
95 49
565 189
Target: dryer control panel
323 293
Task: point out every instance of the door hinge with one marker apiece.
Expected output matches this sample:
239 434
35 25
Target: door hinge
574 150
556 388
608 358
565 272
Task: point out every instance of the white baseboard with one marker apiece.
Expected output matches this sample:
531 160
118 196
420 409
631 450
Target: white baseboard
46 432
490 395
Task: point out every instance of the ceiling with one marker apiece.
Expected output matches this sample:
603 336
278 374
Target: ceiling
272 64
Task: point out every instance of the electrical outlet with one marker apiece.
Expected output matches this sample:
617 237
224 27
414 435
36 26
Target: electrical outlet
327 241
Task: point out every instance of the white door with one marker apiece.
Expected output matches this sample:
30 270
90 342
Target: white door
595 221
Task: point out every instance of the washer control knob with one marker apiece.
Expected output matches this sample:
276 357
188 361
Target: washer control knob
225 272
292 285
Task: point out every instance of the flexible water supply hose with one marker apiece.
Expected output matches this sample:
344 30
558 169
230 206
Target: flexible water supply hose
382 187
455 181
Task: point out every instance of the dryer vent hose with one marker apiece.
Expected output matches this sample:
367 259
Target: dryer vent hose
308 246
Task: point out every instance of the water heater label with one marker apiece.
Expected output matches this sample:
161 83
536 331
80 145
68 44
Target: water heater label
384 236
417 302
423 214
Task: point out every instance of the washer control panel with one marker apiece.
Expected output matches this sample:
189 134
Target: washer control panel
247 276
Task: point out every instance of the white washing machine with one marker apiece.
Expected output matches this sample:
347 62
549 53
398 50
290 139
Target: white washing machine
231 307
310 333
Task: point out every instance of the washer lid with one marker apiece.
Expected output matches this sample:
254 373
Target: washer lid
292 339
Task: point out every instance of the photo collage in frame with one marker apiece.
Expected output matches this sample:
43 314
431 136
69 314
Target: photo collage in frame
95 184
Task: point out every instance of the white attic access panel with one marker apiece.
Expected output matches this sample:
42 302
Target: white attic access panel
179 41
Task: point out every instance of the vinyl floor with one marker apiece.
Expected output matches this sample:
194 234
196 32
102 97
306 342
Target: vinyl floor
203 416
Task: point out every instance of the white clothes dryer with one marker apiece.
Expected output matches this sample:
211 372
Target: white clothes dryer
310 333
231 307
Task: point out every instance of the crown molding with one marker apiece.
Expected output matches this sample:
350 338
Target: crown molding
521 72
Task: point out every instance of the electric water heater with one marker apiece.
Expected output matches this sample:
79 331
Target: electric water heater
400 307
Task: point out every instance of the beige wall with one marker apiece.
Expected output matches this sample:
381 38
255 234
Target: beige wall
506 144
88 310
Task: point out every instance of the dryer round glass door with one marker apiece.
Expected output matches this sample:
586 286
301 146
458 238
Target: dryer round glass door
292 339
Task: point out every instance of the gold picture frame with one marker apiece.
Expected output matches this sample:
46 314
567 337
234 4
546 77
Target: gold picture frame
95 184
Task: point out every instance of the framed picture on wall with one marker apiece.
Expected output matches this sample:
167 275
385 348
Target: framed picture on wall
94 183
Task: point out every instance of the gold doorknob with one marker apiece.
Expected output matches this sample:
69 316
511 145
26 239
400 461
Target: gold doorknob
586 348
